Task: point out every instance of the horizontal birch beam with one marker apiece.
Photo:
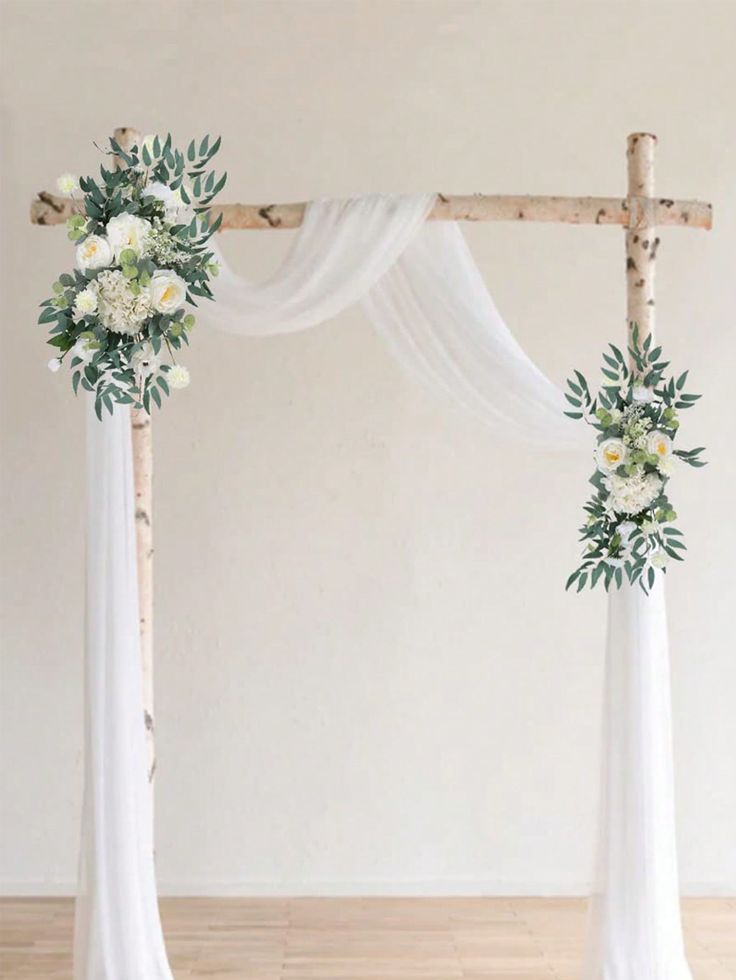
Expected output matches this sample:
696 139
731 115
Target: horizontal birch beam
48 209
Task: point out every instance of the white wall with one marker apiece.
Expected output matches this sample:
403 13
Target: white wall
368 676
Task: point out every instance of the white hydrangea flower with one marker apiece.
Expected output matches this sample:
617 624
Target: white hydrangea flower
178 376
632 494
120 308
67 184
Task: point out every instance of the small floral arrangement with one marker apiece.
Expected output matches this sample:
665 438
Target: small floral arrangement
629 529
141 256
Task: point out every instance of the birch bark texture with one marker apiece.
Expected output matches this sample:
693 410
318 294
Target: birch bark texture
641 238
142 436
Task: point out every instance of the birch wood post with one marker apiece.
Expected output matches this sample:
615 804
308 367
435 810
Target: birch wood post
641 239
143 475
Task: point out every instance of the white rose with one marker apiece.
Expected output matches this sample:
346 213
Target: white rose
168 291
640 392
128 231
145 362
85 302
67 184
54 364
178 376
94 253
611 454
659 444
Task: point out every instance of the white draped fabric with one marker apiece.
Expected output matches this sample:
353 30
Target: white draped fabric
423 293
635 928
118 932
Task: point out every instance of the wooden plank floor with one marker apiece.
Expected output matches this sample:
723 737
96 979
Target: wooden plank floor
360 939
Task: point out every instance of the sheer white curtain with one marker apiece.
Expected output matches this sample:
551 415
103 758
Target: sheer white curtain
423 293
118 932
635 926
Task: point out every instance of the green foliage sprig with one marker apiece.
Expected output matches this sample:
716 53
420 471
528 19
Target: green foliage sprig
629 530
142 255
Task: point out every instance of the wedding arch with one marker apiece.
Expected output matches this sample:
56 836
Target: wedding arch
404 259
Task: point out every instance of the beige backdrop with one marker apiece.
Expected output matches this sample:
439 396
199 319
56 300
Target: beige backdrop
369 678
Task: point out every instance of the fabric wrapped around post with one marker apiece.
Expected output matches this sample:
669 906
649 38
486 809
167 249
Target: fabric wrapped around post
635 926
117 927
425 296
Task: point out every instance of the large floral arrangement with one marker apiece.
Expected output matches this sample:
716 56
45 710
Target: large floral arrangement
141 257
630 528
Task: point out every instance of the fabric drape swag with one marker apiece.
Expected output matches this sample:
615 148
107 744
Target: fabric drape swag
423 293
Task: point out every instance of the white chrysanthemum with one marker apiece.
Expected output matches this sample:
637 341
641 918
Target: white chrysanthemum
67 184
128 231
145 362
120 309
611 454
85 302
178 376
94 253
632 494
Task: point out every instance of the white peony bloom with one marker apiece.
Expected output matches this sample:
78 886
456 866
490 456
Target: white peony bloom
640 392
67 184
168 291
145 362
85 302
128 231
659 559
54 364
120 309
659 444
632 494
94 253
611 454
178 376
